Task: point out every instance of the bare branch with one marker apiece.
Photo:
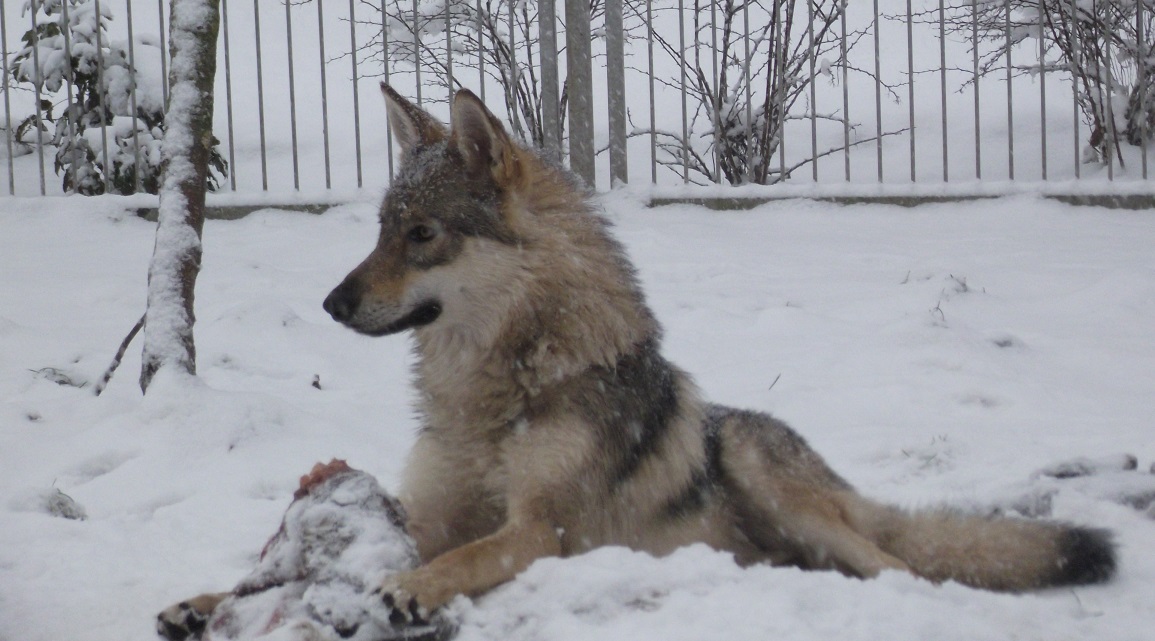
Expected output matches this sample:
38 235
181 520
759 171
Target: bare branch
107 377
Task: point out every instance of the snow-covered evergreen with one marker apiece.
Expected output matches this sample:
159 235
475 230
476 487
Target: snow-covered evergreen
104 116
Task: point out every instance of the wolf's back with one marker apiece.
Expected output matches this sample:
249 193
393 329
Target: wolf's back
995 553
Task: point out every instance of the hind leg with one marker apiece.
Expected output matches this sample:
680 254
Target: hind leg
789 502
813 523
822 529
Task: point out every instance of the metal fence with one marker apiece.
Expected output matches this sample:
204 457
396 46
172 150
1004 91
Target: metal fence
671 92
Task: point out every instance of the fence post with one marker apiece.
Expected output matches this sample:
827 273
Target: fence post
616 90
8 133
1142 57
33 9
550 115
580 87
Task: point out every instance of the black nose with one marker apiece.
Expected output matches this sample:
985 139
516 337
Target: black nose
342 302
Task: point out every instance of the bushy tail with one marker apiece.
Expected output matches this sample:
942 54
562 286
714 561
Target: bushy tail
994 553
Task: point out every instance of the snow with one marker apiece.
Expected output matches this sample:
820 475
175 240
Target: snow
940 354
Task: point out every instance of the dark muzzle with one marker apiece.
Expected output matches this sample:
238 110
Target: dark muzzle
343 301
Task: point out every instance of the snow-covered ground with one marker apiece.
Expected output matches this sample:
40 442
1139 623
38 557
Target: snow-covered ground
937 354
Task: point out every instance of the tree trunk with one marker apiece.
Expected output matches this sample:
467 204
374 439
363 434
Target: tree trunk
168 328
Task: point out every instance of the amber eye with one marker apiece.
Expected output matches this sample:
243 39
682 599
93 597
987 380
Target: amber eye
421 233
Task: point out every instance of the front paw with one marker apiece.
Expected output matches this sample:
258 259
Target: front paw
406 607
186 621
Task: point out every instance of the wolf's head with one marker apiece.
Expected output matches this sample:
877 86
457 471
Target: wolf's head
483 241
449 200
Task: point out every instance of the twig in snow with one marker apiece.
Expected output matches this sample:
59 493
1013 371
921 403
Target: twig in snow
119 355
938 308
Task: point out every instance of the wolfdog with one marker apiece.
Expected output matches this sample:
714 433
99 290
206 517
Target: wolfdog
551 423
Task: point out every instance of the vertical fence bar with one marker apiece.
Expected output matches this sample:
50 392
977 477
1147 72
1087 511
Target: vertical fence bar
260 96
356 93
481 52
813 101
696 38
1076 64
292 95
1010 96
511 95
580 70
163 29
616 92
845 96
942 90
449 49
697 46
133 103
910 85
650 73
781 88
385 78
749 95
8 133
1112 129
36 93
716 105
417 49
550 101
1143 50
72 108
104 116
682 87
877 93
228 94
978 110
1042 88
324 95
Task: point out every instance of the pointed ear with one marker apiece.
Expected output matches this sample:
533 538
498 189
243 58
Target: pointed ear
482 140
411 125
